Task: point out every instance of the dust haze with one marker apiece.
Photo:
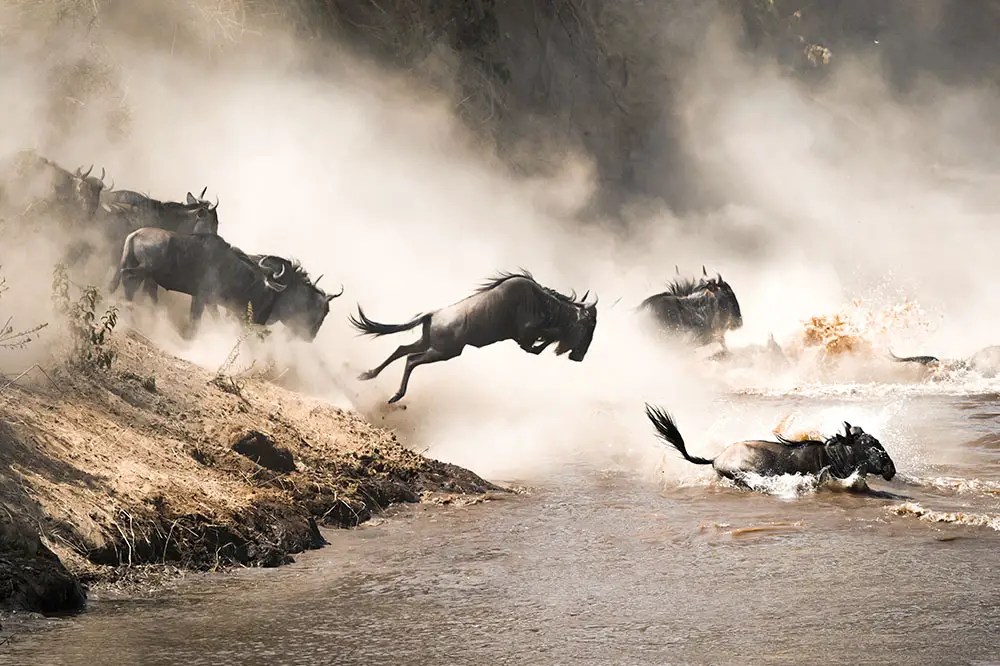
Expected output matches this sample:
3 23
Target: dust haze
836 193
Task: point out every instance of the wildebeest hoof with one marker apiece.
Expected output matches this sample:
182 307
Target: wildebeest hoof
365 376
395 398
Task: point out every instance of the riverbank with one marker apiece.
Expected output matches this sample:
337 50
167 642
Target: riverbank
120 477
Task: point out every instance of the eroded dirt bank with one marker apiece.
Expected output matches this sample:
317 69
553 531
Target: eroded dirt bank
156 464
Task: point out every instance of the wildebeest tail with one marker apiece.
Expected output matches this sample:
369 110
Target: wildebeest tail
369 327
126 251
922 360
668 432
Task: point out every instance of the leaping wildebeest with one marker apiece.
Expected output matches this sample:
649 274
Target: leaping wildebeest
213 272
840 456
511 306
28 179
706 308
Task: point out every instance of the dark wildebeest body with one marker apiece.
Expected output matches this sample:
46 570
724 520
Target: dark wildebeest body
839 456
195 216
213 272
28 179
705 309
509 307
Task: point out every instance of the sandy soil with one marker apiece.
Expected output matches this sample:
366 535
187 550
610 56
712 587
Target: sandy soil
156 466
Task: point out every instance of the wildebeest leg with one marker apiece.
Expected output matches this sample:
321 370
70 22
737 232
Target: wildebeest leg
152 290
430 356
421 345
197 309
131 284
403 350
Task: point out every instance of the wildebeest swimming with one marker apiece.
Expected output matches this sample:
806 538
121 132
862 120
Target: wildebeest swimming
705 309
29 179
840 456
985 362
213 272
511 306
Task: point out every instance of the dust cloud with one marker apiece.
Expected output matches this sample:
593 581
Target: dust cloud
373 183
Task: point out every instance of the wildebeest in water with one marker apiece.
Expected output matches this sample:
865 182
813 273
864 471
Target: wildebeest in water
512 306
840 456
705 309
213 272
985 362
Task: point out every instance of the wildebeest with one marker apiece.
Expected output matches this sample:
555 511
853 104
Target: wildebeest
839 456
213 272
29 179
194 216
985 362
705 309
511 306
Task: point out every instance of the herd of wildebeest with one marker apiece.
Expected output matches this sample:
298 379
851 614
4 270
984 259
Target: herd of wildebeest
177 246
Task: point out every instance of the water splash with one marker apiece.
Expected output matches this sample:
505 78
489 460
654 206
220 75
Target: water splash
958 517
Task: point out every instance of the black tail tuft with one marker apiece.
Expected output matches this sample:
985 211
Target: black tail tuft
370 327
667 430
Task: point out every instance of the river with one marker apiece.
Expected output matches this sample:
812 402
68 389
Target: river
609 565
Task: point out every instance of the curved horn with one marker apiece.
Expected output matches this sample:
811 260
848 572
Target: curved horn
281 272
703 271
216 202
274 286
84 175
585 294
202 195
102 174
316 281
330 297
718 277
112 184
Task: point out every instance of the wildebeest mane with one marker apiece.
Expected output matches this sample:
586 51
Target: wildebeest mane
796 443
503 276
683 287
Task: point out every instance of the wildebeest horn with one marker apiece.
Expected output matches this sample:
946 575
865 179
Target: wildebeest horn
102 174
274 286
202 195
316 281
703 271
330 297
677 269
84 175
718 277
112 184
585 294
280 273
216 202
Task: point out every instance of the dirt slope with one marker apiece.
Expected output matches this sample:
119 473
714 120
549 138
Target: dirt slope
154 462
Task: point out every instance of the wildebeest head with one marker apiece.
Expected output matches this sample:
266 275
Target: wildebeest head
579 334
87 189
302 306
729 307
207 219
868 451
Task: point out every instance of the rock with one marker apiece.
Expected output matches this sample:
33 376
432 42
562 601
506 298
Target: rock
261 449
31 576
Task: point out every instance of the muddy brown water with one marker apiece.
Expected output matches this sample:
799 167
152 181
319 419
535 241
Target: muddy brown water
608 566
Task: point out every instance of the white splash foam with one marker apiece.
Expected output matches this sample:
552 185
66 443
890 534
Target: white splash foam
957 518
